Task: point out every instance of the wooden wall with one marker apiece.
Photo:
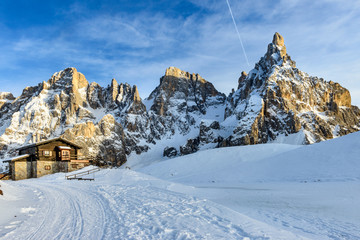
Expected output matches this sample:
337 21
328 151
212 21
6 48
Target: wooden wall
51 146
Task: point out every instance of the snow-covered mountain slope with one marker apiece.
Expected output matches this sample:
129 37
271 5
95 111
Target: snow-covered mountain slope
311 190
275 102
334 160
120 204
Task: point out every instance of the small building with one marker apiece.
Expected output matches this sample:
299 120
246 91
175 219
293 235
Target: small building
46 157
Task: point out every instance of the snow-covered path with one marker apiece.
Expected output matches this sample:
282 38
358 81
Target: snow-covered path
121 204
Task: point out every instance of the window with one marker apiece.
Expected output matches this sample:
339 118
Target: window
47 167
47 153
65 155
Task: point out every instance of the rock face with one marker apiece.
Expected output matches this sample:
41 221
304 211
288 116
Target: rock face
181 101
185 92
273 102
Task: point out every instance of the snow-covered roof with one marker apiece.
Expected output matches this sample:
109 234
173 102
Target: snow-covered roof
64 147
47 141
16 158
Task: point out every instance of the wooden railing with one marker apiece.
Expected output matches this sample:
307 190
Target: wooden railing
4 176
79 175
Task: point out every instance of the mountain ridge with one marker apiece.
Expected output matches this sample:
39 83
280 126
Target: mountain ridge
273 102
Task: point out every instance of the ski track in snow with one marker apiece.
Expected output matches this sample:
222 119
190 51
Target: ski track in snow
123 204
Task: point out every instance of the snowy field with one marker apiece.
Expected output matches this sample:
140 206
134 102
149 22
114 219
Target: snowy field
272 191
120 204
310 190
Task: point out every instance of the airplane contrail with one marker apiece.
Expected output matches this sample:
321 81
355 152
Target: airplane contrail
238 33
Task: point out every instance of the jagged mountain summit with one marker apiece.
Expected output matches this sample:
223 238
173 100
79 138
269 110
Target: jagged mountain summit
276 99
184 114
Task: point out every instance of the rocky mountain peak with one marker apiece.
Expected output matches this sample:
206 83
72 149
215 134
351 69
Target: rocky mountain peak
177 73
6 96
278 40
276 98
68 77
277 47
114 89
276 55
242 78
136 94
178 86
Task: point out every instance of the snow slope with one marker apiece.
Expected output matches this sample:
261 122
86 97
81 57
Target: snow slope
337 159
120 204
311 190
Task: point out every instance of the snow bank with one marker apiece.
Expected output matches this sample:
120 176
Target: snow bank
333 160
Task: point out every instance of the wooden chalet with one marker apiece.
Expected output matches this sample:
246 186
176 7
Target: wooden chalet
46 157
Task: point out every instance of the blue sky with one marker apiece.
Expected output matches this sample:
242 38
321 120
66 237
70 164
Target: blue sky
135 41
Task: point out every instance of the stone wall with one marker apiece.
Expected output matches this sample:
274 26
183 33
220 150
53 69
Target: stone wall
50 167
46 167
26 169
21 170
73 166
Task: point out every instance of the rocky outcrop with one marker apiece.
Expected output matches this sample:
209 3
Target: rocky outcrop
180 91
181 101
124 97
191 146
170 152
209 132
95 96
104 140
5 99
209 137
6 96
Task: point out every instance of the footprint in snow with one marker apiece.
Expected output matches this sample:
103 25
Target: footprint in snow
10 226
13 224
28 210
